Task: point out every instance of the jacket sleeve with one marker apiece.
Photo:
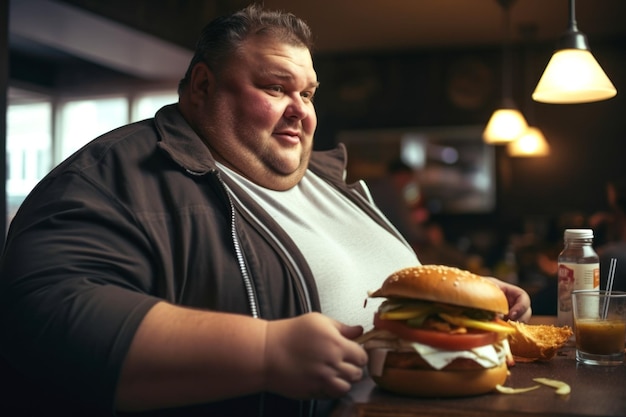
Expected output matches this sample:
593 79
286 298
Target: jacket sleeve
75 276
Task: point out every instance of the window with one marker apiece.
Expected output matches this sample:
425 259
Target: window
146 105
81 121
29 149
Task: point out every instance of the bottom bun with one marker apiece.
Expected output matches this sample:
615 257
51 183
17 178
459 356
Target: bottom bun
433 383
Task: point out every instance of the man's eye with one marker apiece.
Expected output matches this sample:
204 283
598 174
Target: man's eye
276 88
307 95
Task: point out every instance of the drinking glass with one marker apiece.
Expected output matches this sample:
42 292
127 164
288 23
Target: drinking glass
599 326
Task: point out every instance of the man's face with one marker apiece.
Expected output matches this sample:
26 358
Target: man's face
262 116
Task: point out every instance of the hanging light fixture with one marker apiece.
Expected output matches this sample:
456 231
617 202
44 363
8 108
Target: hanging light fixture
507 123
573 75
531 143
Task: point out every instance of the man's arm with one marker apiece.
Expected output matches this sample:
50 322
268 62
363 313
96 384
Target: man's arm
180 356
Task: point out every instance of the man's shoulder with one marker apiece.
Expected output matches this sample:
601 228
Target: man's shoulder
130 142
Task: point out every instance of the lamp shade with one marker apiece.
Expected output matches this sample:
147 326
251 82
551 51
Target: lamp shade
573 76
531 143
505 125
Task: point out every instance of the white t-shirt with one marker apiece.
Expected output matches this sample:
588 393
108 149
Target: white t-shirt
348 252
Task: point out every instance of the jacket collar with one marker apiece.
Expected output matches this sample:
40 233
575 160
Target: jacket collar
181 142
330 164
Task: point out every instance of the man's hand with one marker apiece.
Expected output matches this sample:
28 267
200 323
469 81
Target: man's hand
519 301
312 356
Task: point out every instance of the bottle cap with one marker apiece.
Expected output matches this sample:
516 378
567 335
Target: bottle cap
578 234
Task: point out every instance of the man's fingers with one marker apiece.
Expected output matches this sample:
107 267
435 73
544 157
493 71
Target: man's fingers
350 372
356 355
338 387
350 332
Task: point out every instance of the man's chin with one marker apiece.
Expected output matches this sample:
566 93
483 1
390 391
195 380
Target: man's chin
283 179
290 163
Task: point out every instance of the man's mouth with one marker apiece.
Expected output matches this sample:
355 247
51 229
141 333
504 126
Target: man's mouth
291 136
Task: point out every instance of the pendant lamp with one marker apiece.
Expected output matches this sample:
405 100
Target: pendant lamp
507 123
532 143
573 75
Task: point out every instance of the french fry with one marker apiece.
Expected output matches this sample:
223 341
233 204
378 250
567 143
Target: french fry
562 388
508 390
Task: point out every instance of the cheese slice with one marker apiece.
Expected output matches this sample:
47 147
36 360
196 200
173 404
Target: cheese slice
487 356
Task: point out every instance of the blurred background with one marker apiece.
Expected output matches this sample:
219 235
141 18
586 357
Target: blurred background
408 85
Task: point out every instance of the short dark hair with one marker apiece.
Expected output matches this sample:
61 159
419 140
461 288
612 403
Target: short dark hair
225 34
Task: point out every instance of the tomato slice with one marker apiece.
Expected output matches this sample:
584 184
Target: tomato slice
441 340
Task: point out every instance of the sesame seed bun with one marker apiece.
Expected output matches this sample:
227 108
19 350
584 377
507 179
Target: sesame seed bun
444 284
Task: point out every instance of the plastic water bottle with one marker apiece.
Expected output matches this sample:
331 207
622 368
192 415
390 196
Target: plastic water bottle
579 269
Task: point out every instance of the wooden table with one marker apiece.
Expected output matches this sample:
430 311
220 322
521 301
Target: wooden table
596 391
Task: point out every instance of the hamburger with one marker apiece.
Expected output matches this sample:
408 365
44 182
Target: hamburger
439 333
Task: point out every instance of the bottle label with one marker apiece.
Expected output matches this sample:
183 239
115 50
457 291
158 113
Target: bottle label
572 276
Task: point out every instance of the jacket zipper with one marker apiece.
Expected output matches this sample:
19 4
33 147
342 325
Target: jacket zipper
241 261
254 310
308 307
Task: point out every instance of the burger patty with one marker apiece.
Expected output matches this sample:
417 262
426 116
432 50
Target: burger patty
412 360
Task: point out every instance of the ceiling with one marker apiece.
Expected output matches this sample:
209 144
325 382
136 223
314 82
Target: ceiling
346 25
153 39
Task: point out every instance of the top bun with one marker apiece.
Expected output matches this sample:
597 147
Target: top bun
445 284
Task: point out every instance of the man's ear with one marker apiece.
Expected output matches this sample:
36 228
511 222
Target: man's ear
201 83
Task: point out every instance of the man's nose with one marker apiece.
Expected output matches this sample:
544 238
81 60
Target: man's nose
297 109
